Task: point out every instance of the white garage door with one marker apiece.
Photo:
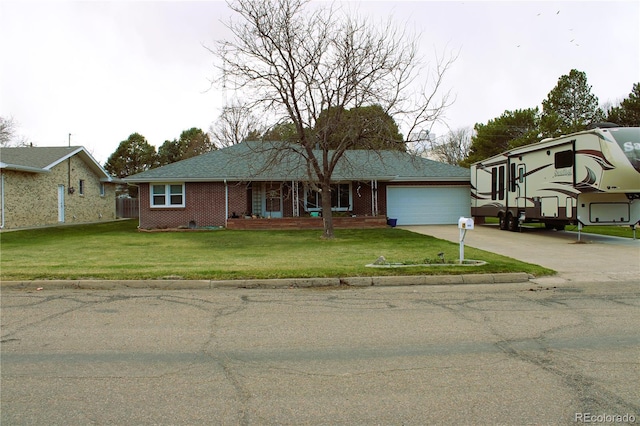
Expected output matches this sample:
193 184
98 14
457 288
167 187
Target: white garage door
432 205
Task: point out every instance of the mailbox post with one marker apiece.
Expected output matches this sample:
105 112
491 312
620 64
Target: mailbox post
464 223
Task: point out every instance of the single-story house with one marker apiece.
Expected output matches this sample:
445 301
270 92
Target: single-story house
52 185
248 181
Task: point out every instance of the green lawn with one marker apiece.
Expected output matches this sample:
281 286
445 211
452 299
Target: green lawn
613 230
116 250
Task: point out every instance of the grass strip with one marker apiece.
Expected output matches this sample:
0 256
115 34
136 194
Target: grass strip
117 251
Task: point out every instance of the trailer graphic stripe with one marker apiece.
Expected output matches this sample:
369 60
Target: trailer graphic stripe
530 172
586 184
598 156
566 192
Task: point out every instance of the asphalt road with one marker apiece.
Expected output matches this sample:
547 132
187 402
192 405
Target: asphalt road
468 354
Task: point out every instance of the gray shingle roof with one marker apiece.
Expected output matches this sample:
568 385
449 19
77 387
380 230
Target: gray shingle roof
257 161
40 159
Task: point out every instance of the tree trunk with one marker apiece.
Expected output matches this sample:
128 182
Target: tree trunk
327 214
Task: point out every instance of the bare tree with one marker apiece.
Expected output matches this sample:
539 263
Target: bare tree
235 124
297 63
8 134
453 147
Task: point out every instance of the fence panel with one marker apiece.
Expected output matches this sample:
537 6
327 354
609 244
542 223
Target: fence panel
127 207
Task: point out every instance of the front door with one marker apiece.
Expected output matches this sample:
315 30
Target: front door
272 199
60 203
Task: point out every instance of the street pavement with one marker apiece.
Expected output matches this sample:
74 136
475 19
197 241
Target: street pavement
509 354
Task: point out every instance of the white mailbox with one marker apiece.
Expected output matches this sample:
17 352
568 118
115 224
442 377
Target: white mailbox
465 223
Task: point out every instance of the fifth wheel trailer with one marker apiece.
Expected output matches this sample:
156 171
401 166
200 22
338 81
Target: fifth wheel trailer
587 178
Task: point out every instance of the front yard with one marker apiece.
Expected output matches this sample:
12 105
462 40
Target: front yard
117 250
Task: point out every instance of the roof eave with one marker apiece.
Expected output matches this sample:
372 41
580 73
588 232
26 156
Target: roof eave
432 179
93 164
273 179
20 168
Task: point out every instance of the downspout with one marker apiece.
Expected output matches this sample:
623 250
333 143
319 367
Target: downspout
226 203
2 198
140 205
69 170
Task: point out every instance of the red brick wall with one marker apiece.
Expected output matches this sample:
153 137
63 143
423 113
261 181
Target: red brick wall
361 202
204 205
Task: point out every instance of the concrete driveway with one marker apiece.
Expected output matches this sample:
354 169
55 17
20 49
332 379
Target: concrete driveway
596 258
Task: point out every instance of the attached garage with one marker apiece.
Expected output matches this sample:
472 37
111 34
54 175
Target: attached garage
428 205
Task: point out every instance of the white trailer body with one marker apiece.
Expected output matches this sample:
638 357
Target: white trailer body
590 177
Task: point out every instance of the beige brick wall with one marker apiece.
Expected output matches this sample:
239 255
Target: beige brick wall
31 199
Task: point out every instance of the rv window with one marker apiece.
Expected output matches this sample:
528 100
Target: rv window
494 183
628 138
512 177
501 183
564 159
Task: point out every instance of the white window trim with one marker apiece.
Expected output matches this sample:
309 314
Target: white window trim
103 190
167 195
333 209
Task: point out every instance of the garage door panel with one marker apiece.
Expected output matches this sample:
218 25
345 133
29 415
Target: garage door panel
416 205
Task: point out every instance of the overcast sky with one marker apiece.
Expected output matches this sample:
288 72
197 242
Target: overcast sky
104 70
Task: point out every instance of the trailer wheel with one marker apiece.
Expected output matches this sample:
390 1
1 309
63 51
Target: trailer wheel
503 222
512 223
559 227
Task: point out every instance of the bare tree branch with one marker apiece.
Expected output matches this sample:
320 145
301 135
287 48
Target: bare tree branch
8 133
236 124
302 65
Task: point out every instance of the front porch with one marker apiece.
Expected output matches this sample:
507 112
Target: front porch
290 223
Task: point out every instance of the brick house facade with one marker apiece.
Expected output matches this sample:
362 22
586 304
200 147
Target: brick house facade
52 185
231 184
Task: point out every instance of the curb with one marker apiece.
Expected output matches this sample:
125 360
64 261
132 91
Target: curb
411 280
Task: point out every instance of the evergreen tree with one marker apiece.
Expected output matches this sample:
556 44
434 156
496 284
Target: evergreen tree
510 130
570 106
192 143
133 155
628 112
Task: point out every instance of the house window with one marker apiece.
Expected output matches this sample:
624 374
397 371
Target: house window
81 187
167 195
340 198
102 190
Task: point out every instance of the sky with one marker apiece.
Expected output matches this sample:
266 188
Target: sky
101 71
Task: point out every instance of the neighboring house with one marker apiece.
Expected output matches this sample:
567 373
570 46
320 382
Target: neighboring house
51 185
244 181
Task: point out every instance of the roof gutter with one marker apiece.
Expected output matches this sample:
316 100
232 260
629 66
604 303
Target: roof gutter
395 178
433 179
19 168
